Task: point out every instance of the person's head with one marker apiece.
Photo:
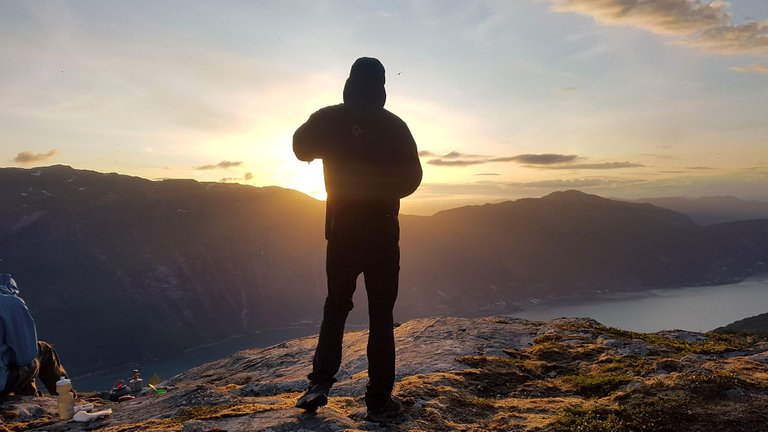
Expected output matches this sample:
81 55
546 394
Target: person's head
8 285
365 86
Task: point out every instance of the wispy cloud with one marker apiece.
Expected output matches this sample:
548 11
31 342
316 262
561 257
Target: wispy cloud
573 183
707 26
551 161
455 163
538 159
458 159
223 165
27 157
245 178
590 166
456 155
754 68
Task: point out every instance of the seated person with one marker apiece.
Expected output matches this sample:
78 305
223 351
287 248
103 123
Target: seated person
22 357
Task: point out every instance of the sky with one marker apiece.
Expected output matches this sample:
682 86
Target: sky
506 99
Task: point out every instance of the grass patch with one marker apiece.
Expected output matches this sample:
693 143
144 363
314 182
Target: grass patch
710 386
716 343
495 376
641 418
597 385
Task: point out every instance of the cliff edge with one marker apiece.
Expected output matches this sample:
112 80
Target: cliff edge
489 374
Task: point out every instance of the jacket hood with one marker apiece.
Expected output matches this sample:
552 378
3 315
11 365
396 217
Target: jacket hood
365 86
8 285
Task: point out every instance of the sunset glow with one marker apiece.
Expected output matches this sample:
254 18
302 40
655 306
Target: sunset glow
505 99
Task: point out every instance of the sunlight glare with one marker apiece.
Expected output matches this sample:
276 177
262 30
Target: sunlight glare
308 178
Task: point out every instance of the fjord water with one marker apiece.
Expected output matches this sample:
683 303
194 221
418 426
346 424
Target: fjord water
694 308
167 368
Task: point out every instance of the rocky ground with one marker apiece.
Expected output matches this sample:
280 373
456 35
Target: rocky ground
490 374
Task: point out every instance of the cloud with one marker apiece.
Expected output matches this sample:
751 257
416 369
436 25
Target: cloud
755 68
487 174
223 164
452 155
707 26
455 155
27 157
456 163
573 183
596 166
452 159
537 159
245 178
699 168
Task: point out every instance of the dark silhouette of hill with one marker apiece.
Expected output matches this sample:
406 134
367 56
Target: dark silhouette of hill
755 325
571 242
118 269
714 209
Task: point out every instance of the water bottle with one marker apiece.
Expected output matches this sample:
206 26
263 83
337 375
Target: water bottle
66 400
137 384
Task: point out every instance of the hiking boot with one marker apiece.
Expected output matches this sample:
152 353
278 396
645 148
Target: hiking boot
314 398
389 411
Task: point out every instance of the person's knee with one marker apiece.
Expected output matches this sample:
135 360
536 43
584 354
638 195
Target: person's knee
338 307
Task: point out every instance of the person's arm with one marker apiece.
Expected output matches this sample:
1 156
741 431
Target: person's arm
409 170
20 332
310 138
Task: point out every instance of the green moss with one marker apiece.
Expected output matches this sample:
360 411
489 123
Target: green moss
716 343
710 386
597 385
623 364
651 417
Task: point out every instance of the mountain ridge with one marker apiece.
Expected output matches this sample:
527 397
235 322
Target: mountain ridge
157 267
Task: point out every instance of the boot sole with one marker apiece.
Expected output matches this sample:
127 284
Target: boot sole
313 404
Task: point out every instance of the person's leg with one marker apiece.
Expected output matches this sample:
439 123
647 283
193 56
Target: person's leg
342 276
381 283
51 368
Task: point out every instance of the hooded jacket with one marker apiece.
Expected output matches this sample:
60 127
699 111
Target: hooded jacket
369 156
18 335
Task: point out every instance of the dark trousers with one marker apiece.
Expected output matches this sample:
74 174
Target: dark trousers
46 367
380 266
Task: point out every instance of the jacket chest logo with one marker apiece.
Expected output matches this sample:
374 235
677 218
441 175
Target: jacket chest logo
357 130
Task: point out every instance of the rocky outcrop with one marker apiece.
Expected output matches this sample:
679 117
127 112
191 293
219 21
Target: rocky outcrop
487 374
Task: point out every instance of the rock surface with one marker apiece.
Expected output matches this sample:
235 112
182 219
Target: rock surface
488 374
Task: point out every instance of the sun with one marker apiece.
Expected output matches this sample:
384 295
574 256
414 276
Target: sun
308 178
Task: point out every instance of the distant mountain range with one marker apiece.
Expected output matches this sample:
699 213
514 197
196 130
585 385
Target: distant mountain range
714 209
118 269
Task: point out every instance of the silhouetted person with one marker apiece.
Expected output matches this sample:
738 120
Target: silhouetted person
22 357
370 161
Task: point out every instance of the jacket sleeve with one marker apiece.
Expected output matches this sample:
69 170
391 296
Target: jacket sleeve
409 172
309 140
20 332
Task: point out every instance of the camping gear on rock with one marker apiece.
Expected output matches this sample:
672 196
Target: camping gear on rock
137 384
84 416
86 407
65 398
119 389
